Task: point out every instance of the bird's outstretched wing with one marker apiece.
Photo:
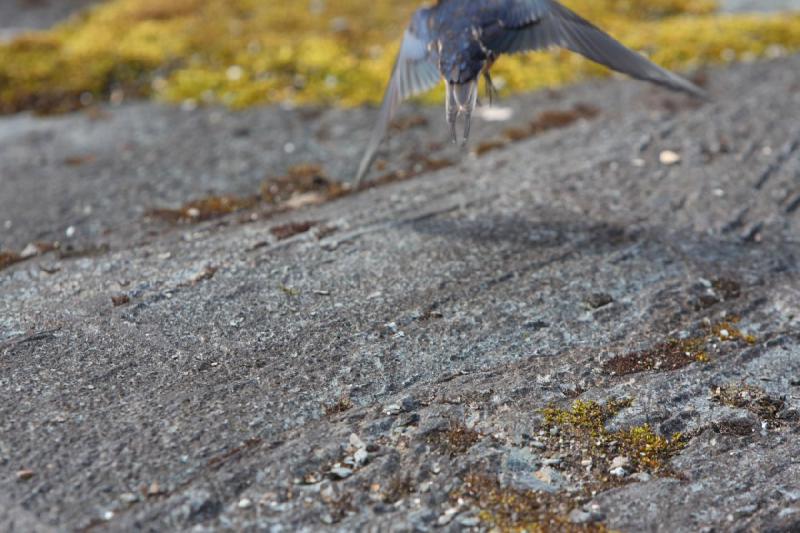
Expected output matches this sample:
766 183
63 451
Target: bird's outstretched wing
527 25
415 71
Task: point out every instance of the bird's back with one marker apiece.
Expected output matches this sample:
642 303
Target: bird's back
454 23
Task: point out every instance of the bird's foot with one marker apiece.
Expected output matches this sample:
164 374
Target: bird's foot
491 90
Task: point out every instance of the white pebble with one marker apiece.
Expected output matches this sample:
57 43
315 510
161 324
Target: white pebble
668 157
245 503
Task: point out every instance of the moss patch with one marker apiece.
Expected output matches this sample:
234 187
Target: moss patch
244 52
9 258
509 509
673 354
581 437
455 440
754 399
205 209
344 403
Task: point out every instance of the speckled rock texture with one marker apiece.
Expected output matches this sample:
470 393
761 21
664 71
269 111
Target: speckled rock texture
384 362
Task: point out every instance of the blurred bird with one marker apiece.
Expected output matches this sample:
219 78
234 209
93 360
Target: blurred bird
459 40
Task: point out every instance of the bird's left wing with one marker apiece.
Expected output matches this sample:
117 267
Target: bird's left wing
527 25
415 71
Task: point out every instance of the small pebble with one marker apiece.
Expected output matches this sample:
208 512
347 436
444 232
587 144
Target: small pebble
447 516
29 251
341 472
668 157
618 472
128 497
154 489
391 409
24 474
245 503
579 516
620 461
360 457
356 442
469 521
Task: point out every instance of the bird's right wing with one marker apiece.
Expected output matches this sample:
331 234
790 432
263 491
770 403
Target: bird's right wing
415 71
527 25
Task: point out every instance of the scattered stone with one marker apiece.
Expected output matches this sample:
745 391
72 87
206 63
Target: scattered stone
120 299
245 503
744 511
579 516
128 498
668 157
154 489
29 251
469 521
521 460
409 404
392 409
548 475
24 474
530 482
618 472
356 442
327 494
447 517
620 461
790 494
341 472
598 300
360 457
643 477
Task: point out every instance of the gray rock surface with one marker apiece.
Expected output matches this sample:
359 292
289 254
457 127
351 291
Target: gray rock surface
17 16
759 5
433 317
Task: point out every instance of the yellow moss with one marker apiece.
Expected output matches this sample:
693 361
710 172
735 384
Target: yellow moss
726 331
585 421
504 508
245 52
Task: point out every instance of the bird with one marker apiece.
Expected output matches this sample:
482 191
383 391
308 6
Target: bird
458 41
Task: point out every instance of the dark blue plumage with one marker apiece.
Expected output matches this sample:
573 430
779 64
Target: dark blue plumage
459 40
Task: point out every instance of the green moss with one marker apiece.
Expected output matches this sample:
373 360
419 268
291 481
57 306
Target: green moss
245 52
